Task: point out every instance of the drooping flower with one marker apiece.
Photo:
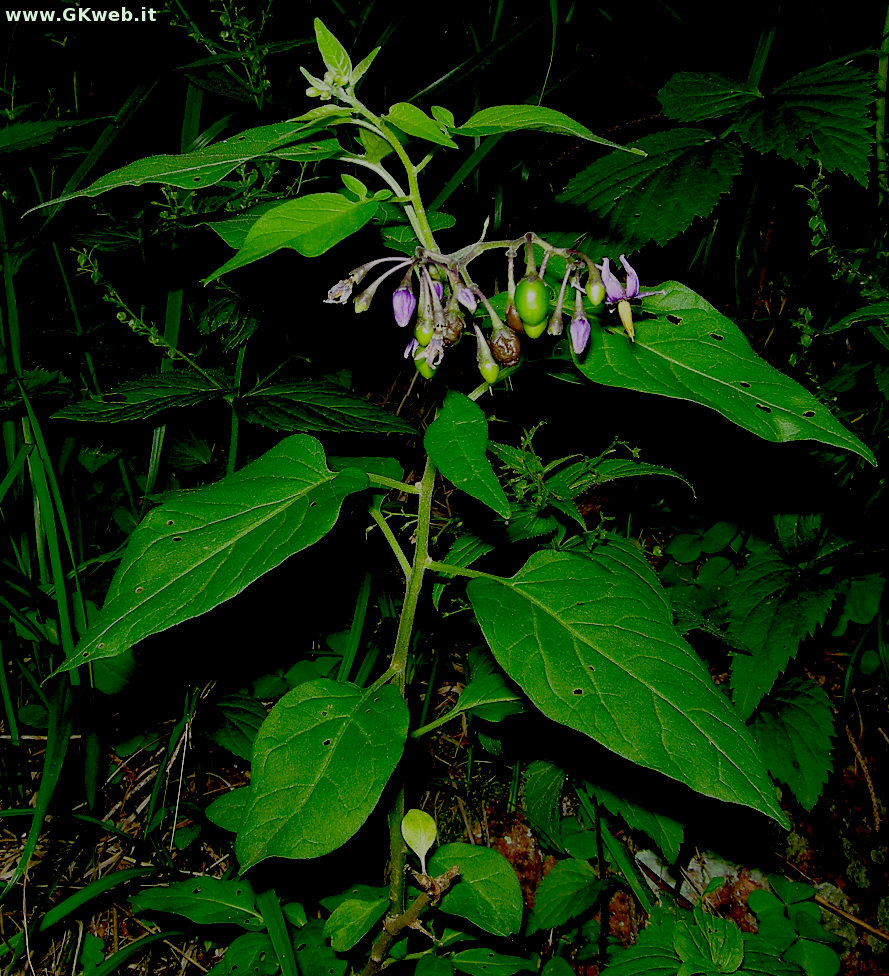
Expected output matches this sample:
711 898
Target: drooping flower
580 324
622 295
404 303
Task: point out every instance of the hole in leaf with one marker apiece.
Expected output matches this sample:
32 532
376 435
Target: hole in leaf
326 742
139 589
300 947
169 521
85 654
808 413
312 504
675 319
578 691
744 383
592 667
196 891
376 699
100 646
237 891
763 407
324 715
716 336
177 538
196 179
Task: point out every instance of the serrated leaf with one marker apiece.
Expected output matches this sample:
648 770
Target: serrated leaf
543 797
657 196
578 478
487 892
204 167
146 397
203 547
456 442
205 900
692 97
591 642
251 954
326 745
486 962
771 608
332 53
666 832
309 225
241 718
26 135
317 407
699 355
793 729
822 113
415 122
569 889
516 118
227 811
352 919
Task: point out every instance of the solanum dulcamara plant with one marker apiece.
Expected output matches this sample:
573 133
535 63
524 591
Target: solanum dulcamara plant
580 635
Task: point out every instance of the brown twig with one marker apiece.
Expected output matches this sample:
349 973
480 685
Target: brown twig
866 773
870 929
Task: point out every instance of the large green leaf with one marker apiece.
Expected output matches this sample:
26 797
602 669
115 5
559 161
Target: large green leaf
250 953
456 442
691 352
209 165
692 97
591 643
310 225
320 762
145 397
487 892
569 889
656 196
203 547
771 608
318 406
354 916
793 730
203 900
822 113
515 118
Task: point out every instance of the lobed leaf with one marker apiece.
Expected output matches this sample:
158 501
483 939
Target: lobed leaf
591 642
326 745
690 96
203 547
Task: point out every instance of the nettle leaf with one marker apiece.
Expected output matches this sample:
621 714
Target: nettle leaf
26 135
666 832
583 475
692 97
569 889
487 892
241 717
515 118
591 642
415 122
310 225
655 197
207 166
326 745
543 797
146 397
486 962
203 547
317 406
456 442
771 608
205 900
821 114
793 729
694 353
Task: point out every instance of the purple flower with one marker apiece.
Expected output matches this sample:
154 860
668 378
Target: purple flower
466 298
622 295
580 333
411 348
403 304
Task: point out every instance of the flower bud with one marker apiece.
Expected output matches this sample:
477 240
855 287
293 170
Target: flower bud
625 311
580 333
487 365
595 290
556 325
403 302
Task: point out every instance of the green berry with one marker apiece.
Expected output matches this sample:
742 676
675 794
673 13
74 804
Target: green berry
535 331
532 301
490 371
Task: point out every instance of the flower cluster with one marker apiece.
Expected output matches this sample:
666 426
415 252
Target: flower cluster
436 293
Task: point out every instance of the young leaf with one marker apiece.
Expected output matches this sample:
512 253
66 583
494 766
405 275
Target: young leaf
353 918
569 889
487 892
822 113
310 225
333 54
655 197
591 642
793 729
456 442
694 353
146 397
203 547
361 68
692 97
415 122
207 901
317 406
325 745
771 608
515 118
419 832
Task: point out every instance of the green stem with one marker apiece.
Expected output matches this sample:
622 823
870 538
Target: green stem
451 570
231 460
384 482
378 517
